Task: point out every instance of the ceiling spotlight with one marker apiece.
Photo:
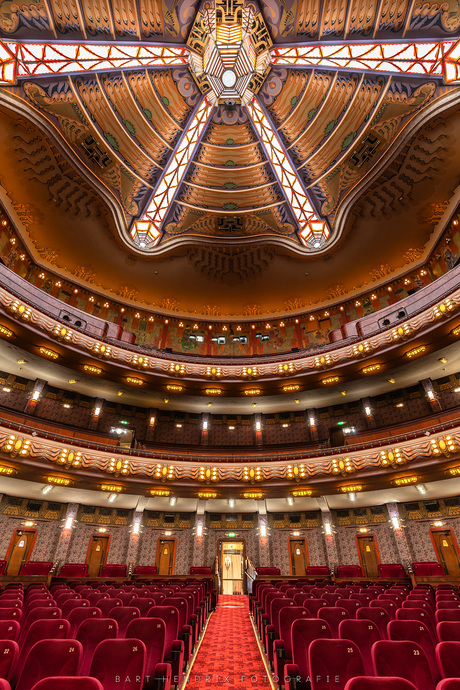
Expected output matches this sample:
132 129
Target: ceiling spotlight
46 489
112 497
290 500
443 360
172 501
352 496
231 502
421 488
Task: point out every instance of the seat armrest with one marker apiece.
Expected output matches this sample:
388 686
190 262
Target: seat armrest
290 677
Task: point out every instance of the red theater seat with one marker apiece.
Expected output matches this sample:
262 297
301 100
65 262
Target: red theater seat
303 633
448 658
144 604
2 567
90 634
52 629
123 615
427 568
449 684
36 568
313 606
363 633
152 632
349 571
391 571
333 615
119 664
417 632
77 616
448 631
317 571
205 570
281 647
405 659
145 570
263 572
9 630
106 606
339 660
9 651
74 570
377 615
68 683
50 658
174 647
382 683
350 605
4 685
447 615
113 570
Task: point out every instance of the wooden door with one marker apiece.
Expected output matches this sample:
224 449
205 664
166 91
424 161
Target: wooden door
166 552
447 551
97 554
19 550
368 555
298 557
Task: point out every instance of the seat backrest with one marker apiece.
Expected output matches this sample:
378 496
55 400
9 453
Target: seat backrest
363 633
50 658
317 571
286 618
373 683
363 599
447 615
276 607
303 632
450 604
389 606
349 571
337 659
333 615
268 571
350 605
36 568
332 597
448 631
145 570
9 630
405 659
377 615
9 652
69 683
47 629
152 632
90 633
74 570
95 597
10 614
427 568
106 605
170 616
113 570
36 615
71 604
144 604
314 605
391 570
123 615
77 616
448 659
119 664
416 631
300 597
158 597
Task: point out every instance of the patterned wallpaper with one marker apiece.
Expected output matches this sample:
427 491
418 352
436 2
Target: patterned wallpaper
52 543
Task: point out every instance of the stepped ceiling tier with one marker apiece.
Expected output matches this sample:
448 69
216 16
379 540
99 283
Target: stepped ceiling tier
229 157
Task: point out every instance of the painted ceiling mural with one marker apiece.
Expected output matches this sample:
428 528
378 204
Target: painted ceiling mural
230 121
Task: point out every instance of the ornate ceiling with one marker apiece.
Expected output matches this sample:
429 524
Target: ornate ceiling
221 197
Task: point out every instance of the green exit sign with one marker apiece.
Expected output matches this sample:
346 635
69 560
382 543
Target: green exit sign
122 421
231 534
340 423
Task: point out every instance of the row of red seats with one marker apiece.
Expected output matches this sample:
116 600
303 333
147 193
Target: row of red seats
275 613
165 622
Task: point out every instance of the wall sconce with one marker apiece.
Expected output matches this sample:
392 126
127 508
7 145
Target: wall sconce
68 523
263 530
199 530
396 523
328 529
136 528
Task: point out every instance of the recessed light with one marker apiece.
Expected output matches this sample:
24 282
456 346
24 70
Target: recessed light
22 361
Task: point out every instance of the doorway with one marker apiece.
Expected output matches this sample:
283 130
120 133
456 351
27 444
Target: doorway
231 562
19 550
368 554
446 549
97 554
298 557
166 554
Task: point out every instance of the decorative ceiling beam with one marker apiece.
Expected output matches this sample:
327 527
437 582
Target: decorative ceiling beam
146 232
412 58
287 176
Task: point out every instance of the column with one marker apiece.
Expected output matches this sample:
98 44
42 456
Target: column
264 545
199 539
132 556
329 535
63 545
402 545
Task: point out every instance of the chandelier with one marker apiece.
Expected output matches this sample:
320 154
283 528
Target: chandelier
229 51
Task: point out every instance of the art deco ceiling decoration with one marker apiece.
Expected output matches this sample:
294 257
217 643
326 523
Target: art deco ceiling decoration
224 121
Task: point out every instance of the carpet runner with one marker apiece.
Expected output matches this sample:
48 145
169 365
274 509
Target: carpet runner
229 656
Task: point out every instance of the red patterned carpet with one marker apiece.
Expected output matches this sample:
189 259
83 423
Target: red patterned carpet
229 656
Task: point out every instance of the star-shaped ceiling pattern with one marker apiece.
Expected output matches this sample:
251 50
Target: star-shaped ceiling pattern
229 119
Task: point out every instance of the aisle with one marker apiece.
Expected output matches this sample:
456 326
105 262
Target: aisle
229 656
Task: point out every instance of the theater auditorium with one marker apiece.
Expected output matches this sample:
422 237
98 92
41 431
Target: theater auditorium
229 345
